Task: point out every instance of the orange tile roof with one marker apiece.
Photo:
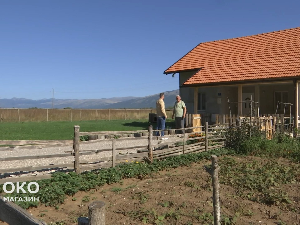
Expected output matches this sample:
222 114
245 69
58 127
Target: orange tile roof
263 56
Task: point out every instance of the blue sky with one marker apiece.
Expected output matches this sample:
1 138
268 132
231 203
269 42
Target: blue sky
90 49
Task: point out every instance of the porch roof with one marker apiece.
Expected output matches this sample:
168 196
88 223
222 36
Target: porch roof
274 55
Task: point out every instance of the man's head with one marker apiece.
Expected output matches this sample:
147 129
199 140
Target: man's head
178 98
162 95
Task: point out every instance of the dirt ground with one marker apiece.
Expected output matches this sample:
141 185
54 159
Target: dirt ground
177 196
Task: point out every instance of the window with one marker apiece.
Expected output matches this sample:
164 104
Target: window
201 101
280 97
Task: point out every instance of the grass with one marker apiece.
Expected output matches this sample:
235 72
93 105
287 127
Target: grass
63 130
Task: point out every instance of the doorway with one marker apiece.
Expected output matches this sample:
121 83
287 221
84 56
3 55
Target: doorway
246 109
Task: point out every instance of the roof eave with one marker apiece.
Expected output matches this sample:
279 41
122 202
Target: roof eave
180 71
252 81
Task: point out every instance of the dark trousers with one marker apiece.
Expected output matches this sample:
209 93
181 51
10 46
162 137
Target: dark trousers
179 123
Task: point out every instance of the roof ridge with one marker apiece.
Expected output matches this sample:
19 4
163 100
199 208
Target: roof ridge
253 35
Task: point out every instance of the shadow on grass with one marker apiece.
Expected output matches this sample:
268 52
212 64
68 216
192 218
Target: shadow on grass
145 125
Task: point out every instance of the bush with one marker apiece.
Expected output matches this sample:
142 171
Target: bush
247 140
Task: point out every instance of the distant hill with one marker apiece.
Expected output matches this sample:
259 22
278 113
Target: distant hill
104 103
146 102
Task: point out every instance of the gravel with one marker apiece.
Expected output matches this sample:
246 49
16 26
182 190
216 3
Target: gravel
61 148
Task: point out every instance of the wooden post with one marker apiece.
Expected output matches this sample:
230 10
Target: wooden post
80 114
113 152
109 114
216 193
271 127
47 115
71 114
282 122
150 139
296 109
251 110
76 149
266 127
217 119
224 119
97 213
234 120
240 100
19 115
206 136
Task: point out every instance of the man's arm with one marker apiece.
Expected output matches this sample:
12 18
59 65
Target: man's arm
173 112
184 112
184 109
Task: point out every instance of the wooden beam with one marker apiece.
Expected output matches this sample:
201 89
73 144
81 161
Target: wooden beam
240 99
14 214
296 104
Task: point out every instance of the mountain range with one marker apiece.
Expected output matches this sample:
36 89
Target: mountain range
103 103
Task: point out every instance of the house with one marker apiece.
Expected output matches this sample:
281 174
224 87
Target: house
264 67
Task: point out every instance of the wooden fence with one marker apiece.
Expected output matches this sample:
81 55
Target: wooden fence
152 148
212 137
40 115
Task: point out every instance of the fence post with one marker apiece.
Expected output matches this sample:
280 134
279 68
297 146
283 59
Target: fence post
76 149
150 139
109 114
114 152
47 115
282 122
266 127
206 136
97 213
71 115
216 193
19 115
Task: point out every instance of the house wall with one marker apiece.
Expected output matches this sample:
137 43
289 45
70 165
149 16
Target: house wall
186 93
267 101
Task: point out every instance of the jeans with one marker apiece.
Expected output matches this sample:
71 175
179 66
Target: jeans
161 124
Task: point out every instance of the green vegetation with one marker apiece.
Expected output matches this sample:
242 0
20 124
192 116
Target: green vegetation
246 140
63 130
259 181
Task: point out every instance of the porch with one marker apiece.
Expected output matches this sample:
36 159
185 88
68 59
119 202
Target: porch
257 99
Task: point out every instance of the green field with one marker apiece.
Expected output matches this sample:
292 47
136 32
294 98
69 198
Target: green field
64 130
